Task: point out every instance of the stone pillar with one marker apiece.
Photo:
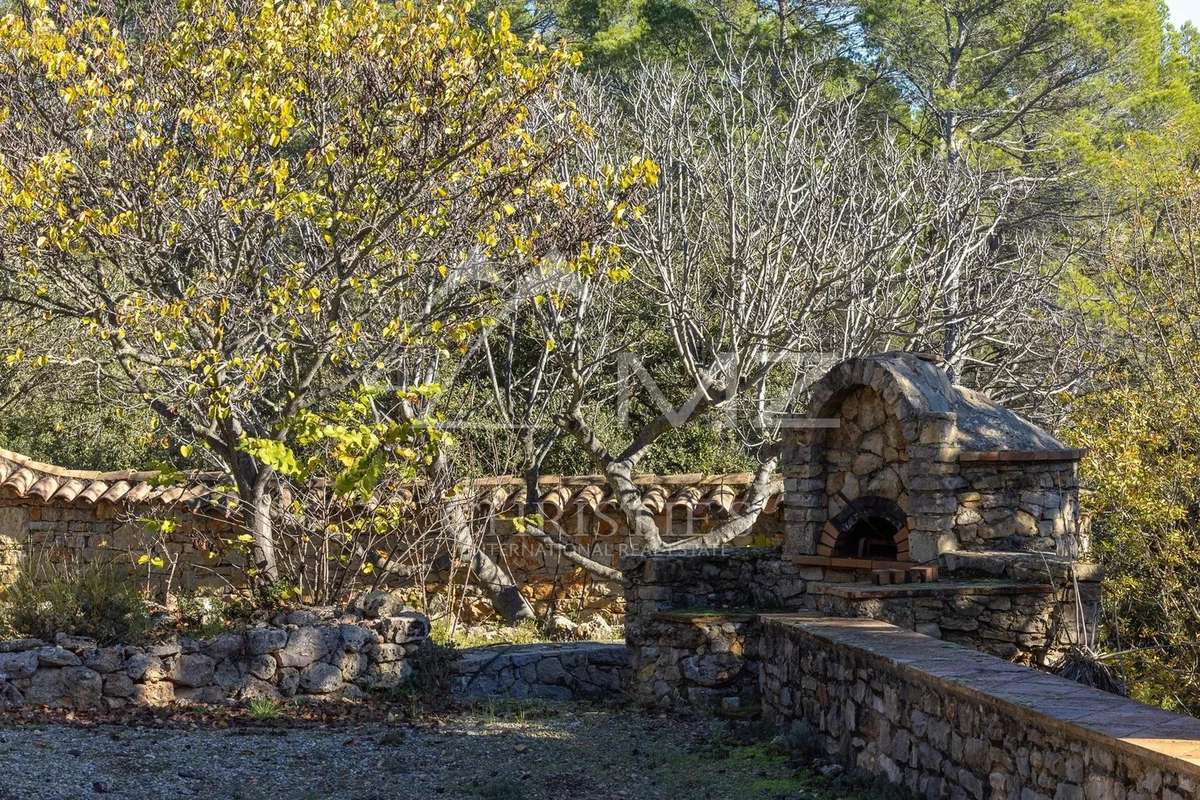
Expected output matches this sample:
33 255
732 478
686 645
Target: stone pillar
804 509
932 474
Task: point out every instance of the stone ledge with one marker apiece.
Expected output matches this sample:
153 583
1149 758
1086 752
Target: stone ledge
703 615
1169 741
1067 454
1018 565
868 591
854 564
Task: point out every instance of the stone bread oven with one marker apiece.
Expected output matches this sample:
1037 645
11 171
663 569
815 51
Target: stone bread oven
907 499
895 465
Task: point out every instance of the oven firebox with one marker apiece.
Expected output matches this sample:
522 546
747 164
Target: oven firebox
871 528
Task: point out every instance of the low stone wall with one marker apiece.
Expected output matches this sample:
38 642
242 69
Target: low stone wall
694 642
725 578
692 645
301 655
571 671
949 722
1026 623
704 661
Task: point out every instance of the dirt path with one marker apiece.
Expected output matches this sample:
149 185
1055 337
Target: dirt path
515 753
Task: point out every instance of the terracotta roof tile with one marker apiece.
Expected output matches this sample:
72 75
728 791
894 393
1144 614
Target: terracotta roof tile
44 487
22 477
589 497
655 498
68 491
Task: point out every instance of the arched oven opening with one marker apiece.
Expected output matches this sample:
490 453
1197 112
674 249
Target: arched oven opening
872 528
870 537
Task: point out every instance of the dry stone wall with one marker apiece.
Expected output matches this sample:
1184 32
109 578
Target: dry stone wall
568 671
695 641
304 654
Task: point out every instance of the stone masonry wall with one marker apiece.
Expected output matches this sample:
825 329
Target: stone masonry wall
726 578
966 472
199 553
303 654
570 671
707 662
1032 624
694 637
1016 506
865 454
106 533
948 722
689 646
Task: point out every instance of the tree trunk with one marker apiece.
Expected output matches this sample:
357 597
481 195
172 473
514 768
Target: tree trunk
756 501
256 502
563 547
263 546
642 527
502 591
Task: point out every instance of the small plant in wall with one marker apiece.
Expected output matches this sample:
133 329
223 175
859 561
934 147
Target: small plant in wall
264 708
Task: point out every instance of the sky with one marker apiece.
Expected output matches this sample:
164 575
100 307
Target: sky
1184 10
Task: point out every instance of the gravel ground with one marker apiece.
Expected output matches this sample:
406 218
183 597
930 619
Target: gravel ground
511 753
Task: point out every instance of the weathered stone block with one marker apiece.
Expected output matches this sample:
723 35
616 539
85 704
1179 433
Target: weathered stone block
19 665
262 667
10 697
82 687
105 659
304 646
206 695
288 681
46 688
320 678
144 667
223 646
387 675
118 684
265 640
712 670
57 657
192 670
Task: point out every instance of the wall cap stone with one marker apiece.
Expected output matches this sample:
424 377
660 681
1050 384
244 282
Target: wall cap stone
941 588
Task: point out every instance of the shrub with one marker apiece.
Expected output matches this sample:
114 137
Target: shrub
94 601
429 686
206 612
